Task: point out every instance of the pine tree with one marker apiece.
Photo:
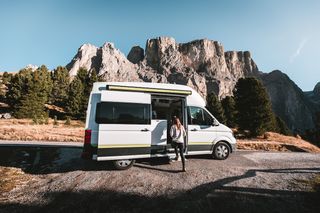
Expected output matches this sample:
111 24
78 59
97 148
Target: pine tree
60 80
32 101
6 77
82 75
17 88
88 83
4 80
317 129
215 108
281 126
75 97
253 106
228 105
93 77
80 87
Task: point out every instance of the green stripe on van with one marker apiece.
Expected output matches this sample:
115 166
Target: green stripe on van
145 89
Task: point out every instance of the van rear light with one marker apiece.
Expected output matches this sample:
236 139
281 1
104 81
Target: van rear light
87 136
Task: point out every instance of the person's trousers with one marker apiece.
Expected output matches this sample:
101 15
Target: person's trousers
180 146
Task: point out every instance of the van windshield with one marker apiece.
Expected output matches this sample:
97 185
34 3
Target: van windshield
122 113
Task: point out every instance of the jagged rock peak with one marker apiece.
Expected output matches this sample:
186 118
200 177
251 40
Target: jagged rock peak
109 45
84 58
109 48
205 45
87 46
316 90
240 62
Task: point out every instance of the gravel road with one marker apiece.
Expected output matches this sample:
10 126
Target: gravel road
245 182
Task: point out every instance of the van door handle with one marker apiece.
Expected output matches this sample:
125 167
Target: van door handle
145 130
193 130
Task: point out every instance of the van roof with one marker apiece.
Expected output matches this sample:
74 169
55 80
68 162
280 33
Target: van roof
194 98
146 84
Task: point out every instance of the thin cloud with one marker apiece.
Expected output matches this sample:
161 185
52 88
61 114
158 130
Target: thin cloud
298 51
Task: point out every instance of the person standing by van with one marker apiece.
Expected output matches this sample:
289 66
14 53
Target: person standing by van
178 133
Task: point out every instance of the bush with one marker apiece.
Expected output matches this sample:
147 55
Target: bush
68 121
35 120
55 120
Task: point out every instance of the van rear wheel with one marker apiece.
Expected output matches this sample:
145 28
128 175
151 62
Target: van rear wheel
221 151
123 164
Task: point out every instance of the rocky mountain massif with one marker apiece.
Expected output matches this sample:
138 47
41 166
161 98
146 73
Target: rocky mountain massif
203 65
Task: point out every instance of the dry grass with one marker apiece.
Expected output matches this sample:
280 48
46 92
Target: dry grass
276 142
25 130
11 178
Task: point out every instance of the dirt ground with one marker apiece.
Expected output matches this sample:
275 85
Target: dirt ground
59 181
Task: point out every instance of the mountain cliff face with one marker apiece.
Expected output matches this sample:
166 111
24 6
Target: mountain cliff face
314 96
316 90
201 64
288 101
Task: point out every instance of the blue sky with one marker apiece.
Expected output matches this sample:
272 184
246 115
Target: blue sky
280 34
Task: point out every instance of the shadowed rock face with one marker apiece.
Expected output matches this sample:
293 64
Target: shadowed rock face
136 54
288 100
316 90
201 64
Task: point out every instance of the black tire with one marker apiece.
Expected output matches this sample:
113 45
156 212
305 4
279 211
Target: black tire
221 151
123 164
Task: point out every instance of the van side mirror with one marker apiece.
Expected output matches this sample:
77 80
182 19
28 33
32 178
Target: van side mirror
215 122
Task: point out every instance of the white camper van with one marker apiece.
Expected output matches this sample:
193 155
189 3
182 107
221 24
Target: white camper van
130 120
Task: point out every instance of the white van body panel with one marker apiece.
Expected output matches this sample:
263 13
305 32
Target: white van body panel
146 136
126 97
124 135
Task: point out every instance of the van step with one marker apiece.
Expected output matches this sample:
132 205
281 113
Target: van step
170 150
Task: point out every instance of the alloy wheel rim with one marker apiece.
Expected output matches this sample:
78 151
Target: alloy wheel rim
222 151
124 163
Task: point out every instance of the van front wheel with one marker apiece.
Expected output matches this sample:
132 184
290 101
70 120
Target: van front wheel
221 151
123 164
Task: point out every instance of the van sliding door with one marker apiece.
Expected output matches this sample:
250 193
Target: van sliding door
124 120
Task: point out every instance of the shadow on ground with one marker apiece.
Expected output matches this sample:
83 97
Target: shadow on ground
211 197
46 160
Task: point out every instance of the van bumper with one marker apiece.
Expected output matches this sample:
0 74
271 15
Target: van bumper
88 151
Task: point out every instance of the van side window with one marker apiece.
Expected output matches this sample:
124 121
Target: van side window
122 113
198 116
